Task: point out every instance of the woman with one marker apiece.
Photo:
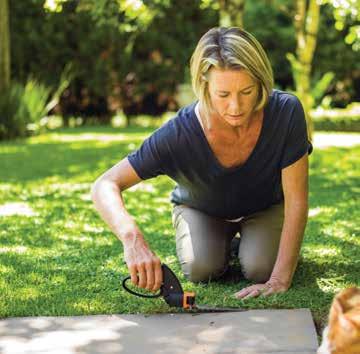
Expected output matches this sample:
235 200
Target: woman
239 155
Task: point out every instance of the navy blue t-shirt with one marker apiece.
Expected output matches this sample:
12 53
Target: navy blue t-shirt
180 150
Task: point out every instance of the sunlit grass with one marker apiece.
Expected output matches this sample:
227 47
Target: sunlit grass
57 257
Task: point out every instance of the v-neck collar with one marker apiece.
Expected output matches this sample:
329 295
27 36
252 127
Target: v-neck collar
210 152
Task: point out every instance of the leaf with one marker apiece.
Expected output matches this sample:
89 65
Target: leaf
321 86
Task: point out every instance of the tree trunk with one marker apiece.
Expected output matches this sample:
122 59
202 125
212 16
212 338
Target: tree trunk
231 13
306 25
4 45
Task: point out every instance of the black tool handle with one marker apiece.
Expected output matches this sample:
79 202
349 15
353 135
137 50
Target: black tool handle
138 294
170 289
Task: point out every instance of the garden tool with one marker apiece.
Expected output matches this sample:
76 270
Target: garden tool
172 292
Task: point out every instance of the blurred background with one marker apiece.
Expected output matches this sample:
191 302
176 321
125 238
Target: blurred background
122 62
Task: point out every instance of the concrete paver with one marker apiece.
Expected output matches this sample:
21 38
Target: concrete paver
253 331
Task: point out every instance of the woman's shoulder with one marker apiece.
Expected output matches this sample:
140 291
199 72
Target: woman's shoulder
284 106
180 125
182 121
280 97
185 114
284 112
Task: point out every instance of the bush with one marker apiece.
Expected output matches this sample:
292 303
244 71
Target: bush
22 108
337 119
12 123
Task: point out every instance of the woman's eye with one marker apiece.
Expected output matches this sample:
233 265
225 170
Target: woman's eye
244 93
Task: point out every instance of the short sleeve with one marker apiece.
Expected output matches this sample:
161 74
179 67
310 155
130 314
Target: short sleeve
152 158
296 142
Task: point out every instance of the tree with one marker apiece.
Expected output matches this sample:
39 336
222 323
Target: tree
136 18
4 45
345 11
232 13
306 22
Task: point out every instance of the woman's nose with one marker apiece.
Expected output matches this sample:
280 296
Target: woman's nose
235 106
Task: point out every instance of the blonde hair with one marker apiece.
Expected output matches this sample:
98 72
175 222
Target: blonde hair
229 48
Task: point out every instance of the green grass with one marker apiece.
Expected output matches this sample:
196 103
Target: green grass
57 257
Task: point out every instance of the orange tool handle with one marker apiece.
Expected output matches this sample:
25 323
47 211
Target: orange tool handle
188 299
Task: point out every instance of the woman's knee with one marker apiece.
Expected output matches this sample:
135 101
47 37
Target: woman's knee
257 271
202 244
199 270
259 243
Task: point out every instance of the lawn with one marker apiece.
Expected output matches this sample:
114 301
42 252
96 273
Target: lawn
57 257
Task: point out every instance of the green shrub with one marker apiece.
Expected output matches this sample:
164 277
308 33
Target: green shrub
12 124
22 108
35 99
338 119
343 124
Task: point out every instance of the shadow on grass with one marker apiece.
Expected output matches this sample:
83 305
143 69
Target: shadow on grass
74 280
60 160
334 199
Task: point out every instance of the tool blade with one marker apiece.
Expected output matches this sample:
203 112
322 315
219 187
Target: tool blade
210 309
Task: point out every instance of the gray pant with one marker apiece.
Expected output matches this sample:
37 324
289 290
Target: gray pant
203 242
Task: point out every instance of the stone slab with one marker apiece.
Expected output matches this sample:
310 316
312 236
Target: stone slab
253 331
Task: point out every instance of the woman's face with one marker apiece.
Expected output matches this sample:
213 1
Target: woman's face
233 95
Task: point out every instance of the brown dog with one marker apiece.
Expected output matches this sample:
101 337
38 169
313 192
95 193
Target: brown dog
342 335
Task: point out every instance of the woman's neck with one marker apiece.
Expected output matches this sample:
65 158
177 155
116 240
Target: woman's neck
215 123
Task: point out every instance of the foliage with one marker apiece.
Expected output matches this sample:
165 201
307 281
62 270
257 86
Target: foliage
331 52
46 42
137 52
320 87
347 14
338 119
337 123
334 55
276 35
13 112
23 107
5 57
35 100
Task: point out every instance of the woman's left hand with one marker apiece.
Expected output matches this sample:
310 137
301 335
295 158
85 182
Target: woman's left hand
272 286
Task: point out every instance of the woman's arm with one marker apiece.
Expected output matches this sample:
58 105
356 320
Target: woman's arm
295 187
107 198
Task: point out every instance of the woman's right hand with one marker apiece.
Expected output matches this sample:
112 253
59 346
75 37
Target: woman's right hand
144 266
